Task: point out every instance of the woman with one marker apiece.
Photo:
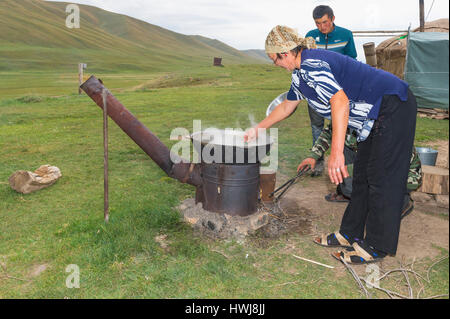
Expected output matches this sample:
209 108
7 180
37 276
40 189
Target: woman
382 110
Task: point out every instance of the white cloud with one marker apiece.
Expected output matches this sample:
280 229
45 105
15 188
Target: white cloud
245 24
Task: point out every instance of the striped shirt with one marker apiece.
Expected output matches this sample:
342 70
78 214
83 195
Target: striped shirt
323 73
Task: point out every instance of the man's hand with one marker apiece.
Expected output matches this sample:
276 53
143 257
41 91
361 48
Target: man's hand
307 162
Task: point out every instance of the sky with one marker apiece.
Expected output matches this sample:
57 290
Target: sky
245 24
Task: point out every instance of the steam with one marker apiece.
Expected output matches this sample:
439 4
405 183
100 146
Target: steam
251 118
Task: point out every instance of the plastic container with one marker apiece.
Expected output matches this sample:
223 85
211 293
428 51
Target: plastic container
427 155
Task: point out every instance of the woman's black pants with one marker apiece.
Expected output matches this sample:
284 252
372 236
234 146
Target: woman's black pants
380 176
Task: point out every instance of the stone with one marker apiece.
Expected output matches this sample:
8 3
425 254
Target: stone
26 182
421 197
190 220
442 201
162 240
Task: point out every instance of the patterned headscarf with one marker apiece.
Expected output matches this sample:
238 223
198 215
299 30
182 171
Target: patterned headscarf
283 39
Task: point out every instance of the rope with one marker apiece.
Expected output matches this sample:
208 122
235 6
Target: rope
428 72
423 87
429 10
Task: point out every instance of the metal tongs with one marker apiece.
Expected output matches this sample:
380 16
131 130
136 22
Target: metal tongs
289 183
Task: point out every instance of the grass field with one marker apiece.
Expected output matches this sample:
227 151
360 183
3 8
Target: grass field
43 120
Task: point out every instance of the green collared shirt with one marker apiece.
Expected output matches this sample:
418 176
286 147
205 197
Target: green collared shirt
339 40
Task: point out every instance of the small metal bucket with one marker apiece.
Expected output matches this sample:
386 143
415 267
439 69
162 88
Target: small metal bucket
427 155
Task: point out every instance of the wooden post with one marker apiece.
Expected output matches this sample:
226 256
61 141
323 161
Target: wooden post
370 53
81 67
80 77
422 15
105 156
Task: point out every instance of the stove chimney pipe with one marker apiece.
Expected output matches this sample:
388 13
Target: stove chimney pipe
142 136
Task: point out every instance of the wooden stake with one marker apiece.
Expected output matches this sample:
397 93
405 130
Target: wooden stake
370 53
314 262
422 15
105 158
80 76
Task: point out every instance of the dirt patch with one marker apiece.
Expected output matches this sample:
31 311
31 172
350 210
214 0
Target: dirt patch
36 270
286 217
162 241
179 80
421 234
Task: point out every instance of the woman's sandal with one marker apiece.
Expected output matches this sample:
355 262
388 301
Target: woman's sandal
336 198
333 240
358 255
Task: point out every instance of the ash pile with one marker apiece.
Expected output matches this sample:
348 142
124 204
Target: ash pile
219 225
271 220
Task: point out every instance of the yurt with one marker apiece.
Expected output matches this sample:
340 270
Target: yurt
391 53
422 60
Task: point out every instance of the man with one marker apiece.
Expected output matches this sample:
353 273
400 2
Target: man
344 191
328 36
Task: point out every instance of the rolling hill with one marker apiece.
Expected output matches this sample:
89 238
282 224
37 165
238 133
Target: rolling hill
33 36
258 54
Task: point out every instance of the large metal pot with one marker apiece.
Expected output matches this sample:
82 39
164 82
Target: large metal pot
276 101
229 147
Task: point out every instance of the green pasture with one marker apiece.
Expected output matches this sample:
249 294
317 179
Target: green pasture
44 121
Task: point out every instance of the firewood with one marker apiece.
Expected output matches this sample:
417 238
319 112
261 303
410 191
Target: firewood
26 182
435 180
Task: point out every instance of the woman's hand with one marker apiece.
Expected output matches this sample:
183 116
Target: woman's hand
283 110
336 168
250 134
307 162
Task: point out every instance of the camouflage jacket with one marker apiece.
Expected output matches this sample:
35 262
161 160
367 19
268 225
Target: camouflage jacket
323 144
